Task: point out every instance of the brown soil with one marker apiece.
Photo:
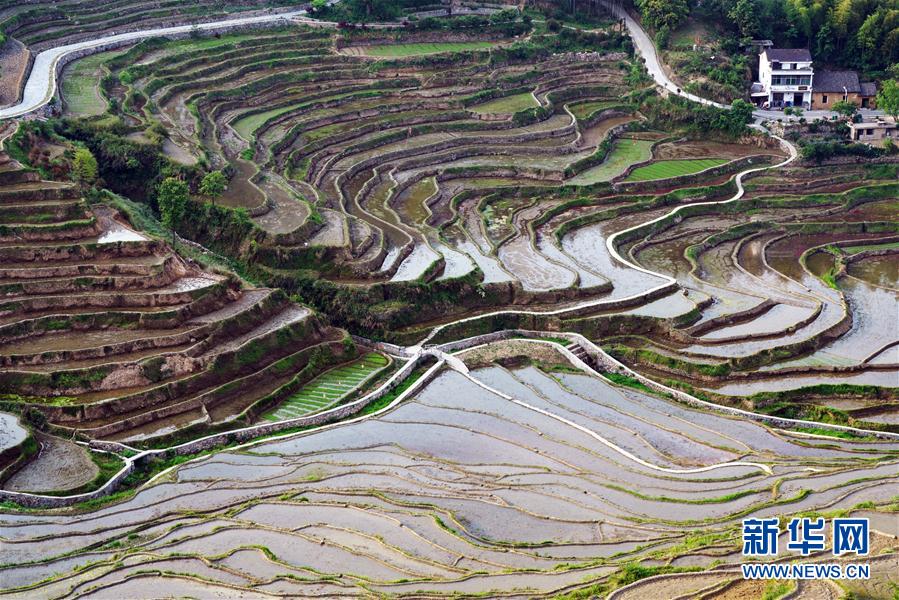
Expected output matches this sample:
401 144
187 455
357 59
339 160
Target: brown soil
14 58
60 465
512 349
703 149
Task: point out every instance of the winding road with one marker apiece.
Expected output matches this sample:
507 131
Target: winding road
647 49
41 84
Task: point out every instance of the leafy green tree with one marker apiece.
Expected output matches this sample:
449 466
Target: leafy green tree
824 45
888 97
742 111
663 13
845 108
84 167
745 15
213 185
172 197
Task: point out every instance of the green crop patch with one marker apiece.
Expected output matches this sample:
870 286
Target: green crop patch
329 388
81 86
625 153
507 105
665 169
421 49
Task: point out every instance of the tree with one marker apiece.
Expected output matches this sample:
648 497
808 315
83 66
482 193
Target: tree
84 167
172 198
888 97
663 13
824 43
745 15
213 185
845 108
743 110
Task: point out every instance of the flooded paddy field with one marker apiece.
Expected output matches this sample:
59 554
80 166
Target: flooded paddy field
491 479
385 198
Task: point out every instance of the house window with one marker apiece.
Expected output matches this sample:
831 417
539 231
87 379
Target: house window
791 80
824 99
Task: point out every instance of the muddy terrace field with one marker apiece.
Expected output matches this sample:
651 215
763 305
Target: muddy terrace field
422 193
519 480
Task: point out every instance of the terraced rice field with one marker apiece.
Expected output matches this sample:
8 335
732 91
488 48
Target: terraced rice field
507 105
425 201
582 110
626 152
110 334
329 388
665 169
81 86
504 479
421 49
412 177
44 24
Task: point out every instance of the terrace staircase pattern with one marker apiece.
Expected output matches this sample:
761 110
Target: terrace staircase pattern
113 335
419 172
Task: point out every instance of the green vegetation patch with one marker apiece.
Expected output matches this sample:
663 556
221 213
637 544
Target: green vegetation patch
506 105
328 388
625 153
421 49
582 110
857 249
665 169
81 86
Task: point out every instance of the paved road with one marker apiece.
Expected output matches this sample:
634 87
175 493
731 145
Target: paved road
647 49
41 84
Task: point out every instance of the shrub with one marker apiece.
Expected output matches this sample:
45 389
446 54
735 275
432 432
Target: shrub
819 151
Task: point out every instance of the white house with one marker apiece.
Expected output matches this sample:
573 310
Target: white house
785 78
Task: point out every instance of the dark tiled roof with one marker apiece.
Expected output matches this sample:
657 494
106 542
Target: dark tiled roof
788 54
835 81
869 89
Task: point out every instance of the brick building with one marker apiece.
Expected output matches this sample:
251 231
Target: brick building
835 86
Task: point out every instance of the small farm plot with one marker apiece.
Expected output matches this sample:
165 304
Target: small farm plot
583 110
626 153
81 86
665 169
420 49
506 105
329 388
